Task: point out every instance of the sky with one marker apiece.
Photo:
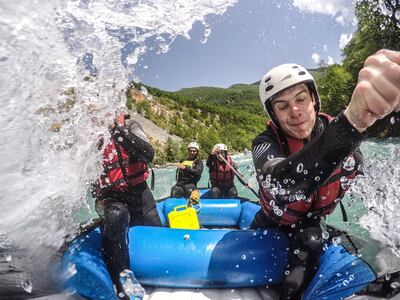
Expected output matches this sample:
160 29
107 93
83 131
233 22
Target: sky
248 39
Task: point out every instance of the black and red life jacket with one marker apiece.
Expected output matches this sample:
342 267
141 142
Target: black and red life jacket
322 202
221 174
120 171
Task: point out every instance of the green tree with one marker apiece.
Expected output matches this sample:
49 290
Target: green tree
335 89
375 30
171 151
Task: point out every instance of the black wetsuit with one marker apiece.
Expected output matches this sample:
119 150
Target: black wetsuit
121 209
187 179
329 146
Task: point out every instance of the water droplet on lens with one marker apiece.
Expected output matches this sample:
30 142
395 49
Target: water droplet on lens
71 269
349 164
395 285
299 168
27 286
336 240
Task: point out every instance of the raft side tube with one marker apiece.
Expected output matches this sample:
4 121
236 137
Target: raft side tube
84 269
207 258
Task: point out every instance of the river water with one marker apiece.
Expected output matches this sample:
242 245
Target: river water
65 66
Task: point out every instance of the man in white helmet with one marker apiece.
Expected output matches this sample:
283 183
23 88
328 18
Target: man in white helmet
188 172
306 160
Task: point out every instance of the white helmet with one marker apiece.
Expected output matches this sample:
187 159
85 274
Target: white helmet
281 78
221 147
193 145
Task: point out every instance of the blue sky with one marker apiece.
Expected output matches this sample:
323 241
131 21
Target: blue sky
251 37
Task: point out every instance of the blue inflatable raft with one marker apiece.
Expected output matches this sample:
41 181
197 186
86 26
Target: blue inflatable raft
223 254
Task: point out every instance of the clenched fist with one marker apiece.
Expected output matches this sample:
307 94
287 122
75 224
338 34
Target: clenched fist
377 93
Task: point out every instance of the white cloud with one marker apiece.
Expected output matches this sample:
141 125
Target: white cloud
344 40
325 48
330 61
342 10
316 58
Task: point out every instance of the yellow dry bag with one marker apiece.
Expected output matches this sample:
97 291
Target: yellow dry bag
183 217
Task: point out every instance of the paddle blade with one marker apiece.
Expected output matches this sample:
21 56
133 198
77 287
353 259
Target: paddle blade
341 274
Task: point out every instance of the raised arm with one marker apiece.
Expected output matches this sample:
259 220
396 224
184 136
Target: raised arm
377 93
303 172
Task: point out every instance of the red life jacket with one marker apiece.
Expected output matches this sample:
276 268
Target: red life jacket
113 176
118 169
322 202
221 175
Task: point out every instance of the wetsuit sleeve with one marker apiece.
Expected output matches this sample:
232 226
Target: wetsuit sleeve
133 139
304 171
265 150
210 160
197 168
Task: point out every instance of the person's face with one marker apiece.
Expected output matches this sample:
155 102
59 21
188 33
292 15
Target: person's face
224 154
294 109
192 153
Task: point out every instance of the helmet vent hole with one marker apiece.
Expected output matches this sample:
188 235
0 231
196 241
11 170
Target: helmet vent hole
268 88
267 79
302 73
295 67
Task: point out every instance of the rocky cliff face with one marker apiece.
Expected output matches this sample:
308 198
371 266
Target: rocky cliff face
156 134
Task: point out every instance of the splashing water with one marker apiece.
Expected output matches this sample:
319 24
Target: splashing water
379 191
65 68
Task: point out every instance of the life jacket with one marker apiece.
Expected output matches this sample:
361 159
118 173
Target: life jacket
222 175
120 171
322 202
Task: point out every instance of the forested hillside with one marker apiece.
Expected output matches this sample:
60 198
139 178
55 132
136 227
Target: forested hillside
227 116
234 115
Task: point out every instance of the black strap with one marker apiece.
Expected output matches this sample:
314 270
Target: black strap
121 163
344 214
116 164
152 178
